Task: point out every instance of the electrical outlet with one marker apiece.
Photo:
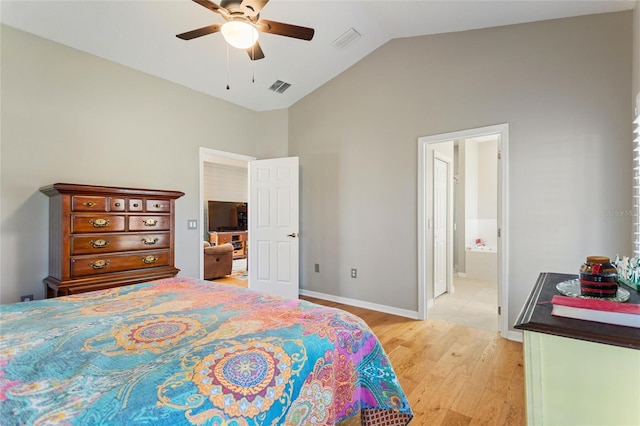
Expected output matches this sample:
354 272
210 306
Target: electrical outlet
317 267
354 273
26 298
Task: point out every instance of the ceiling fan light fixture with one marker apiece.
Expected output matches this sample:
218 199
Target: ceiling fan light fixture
239 34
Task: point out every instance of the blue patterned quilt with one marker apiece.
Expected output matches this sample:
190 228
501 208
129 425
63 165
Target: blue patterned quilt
184 351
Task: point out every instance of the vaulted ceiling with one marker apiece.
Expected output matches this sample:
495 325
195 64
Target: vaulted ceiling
141 34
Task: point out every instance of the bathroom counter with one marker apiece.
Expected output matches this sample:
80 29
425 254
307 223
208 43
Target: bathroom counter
577 372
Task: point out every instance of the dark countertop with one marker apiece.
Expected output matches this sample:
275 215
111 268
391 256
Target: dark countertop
536 316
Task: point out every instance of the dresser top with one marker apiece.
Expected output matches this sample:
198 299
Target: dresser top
536 316
71 188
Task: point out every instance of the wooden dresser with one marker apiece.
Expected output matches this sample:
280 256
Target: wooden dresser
102 237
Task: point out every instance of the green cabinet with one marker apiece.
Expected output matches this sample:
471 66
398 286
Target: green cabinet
577 373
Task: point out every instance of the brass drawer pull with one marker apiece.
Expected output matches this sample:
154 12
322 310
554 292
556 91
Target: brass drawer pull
118 204
99 264
150 222
98 244
157 206
150 259
89 204
149 241
135 204
100 223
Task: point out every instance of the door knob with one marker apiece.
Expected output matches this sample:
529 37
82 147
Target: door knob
292 235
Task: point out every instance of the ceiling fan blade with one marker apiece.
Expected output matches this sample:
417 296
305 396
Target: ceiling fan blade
255 52
209 5
252 8
286 30
200 32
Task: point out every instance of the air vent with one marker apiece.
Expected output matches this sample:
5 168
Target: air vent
279 86
346 39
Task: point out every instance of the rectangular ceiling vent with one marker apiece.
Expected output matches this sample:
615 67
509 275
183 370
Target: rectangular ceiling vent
279 86
346 39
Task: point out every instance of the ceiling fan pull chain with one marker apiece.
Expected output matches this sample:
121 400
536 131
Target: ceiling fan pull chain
253 58
227 65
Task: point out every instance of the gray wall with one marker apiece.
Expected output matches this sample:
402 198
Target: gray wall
71 117
564 87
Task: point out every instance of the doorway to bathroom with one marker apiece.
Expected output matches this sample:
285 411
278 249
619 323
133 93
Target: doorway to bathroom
462 218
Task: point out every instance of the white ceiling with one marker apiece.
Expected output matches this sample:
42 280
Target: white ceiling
141 34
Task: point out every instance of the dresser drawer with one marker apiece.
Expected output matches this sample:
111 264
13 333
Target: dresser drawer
122 242
135 205
117 204
89 204
149 223
93 265
158 205
97 223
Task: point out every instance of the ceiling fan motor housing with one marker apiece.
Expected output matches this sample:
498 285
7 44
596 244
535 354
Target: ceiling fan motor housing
248 12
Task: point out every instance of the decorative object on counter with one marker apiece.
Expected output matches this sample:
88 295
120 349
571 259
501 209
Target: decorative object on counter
571 288
627 314
628 271
598 277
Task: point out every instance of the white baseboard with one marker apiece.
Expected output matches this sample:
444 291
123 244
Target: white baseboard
514 335
361 304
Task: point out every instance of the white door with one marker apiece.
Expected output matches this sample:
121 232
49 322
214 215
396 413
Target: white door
440 224
273 226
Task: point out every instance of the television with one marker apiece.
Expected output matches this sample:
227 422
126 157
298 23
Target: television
227 216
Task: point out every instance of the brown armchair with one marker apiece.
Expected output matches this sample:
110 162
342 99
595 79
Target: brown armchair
218 260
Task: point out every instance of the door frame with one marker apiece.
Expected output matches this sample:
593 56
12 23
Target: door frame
208 155
425 294
449 232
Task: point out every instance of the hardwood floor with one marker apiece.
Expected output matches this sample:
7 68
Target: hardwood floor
452 374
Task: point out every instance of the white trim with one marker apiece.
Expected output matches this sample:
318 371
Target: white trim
423 302
360 304
503 215
515 335
208 155
635 185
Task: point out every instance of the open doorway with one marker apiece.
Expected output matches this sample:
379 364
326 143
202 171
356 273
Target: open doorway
465 232
461 233
224 195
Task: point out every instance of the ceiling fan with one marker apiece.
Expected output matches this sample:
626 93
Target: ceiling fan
243 25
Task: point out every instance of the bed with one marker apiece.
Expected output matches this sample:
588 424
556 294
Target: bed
182 351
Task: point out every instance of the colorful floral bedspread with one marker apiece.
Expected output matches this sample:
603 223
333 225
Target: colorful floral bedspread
184 351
